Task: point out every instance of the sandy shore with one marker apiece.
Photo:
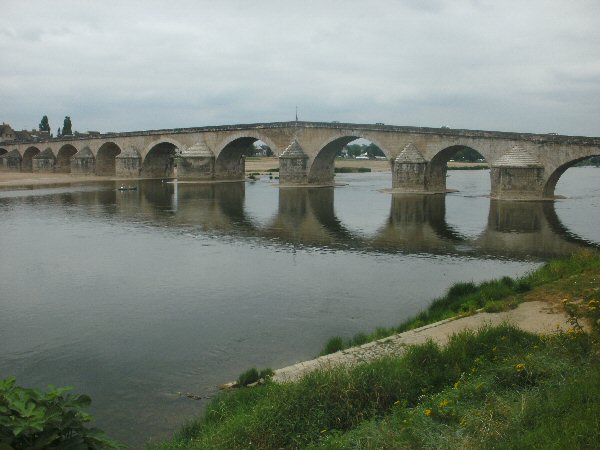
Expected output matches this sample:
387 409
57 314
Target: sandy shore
264 164
16 179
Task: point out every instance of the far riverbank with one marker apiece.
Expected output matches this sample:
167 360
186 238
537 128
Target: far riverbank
253 165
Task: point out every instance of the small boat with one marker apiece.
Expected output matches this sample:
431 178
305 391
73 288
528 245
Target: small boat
128 188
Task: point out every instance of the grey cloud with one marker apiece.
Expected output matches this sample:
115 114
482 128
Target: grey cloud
135 65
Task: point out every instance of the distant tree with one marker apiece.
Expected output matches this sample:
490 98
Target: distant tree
44 125
355 150
58 134
372 150
66 131
467 154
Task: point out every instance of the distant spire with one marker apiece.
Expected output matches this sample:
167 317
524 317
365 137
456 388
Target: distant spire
296 113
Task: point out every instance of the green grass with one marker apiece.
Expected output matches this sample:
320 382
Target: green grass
481 167
472 393
352 169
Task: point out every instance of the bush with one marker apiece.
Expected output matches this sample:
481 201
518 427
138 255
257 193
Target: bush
248 377
253 375
30 418
351 169
266 374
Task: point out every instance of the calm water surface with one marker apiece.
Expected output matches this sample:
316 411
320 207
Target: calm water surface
133 297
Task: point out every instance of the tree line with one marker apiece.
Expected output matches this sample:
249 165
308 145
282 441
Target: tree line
66 129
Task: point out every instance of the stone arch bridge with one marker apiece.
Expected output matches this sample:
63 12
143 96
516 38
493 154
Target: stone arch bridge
523 165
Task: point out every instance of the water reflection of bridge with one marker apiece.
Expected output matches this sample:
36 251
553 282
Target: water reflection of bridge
306 216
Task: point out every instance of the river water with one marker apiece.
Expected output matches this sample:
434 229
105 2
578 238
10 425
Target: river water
134 297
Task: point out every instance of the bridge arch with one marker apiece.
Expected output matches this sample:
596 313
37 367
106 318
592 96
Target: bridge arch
160 158
229 162
552 180
27 163
105 159
63 158
322 168
3 151
435 174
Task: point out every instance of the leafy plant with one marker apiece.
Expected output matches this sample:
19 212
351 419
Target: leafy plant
248 377
32 419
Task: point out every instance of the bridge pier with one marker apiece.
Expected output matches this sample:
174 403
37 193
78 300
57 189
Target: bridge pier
83 162
196 162
44 162
517 176
408 171
11 161
128 163
293 166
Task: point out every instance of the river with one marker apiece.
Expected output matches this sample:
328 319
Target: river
134 297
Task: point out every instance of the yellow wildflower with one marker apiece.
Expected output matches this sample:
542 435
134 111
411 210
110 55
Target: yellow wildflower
457 385
520 367
444 403
428 412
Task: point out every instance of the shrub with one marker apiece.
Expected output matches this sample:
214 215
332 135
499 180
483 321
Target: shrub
248 377
266 374
30 418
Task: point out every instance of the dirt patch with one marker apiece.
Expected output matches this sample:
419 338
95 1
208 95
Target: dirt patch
15 179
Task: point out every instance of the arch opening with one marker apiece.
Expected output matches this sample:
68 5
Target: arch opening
160 161
27 163
451 158
63 159
106 159
553 179
231 161
3 151
260 149
344 154
260 158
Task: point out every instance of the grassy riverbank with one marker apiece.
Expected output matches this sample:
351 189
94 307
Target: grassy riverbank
496 388
490 296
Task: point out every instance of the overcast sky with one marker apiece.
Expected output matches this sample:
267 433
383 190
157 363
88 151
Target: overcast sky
121 65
